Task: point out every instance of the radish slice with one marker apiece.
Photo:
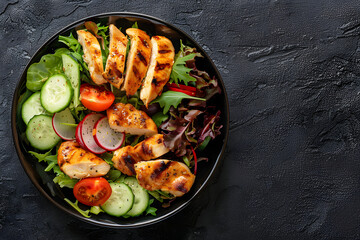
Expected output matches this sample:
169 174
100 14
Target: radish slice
106 137
59 121
78 136
86 130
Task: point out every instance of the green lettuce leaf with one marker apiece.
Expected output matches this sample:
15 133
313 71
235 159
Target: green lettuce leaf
77 208
38 73
172 98
159 118
149 209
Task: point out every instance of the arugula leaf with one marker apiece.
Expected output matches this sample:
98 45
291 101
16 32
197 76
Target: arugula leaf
71 42
77 208
96 210
135 25
180 73
40 156
156 195
172 98
159 118
65 181
61 179
149 209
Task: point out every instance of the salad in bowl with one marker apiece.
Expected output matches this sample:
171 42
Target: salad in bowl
119 117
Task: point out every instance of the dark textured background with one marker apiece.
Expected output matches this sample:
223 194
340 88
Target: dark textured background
292 167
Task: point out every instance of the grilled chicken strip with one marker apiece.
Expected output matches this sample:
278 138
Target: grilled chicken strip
126 118
137 60
165 175
115 64
92 55
158 74
125 158
79 163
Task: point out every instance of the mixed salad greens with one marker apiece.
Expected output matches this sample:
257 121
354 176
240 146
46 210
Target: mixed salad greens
183 113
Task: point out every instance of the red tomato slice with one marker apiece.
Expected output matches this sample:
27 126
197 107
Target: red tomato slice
96 98
183 91
181 86
92 191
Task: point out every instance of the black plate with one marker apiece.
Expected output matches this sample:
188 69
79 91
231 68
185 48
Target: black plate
215 150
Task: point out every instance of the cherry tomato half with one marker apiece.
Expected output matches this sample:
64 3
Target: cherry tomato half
92 191
96 98
183 91
182 86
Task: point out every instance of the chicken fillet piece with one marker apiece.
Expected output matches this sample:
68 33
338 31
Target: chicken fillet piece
79 163
92 55
151 148
126 118
115 64
137 61
165 175
158 74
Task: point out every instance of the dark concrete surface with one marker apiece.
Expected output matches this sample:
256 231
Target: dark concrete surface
292 167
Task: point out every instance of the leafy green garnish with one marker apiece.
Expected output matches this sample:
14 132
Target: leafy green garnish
96 210
71 42
159 118
149 209
65 181
113 175
203 145
156 195
172 98
180 73
61 179
38 73
107 157
77 208
60 51
135 25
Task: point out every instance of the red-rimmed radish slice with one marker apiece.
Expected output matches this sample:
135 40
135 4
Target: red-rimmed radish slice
78 136
86 130
106 137
64 124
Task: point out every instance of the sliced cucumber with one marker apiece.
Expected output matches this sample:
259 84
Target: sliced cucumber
141 200
31 107
120 201
72 71
56 93
40 132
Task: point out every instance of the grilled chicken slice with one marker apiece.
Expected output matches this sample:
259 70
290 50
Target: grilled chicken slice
151 148
137 60
115 64
158 74
79 163
126 118
125 158
92 55
165 175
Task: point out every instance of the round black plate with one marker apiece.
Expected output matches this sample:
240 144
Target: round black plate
43 180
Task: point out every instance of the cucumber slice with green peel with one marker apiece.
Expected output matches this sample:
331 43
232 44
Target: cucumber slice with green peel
31 107
72 71
40 133
120 201
56 94
141 200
